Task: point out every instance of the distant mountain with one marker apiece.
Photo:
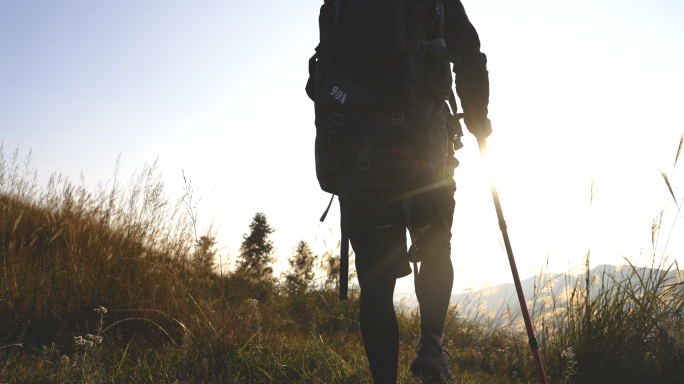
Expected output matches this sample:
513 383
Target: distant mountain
542 289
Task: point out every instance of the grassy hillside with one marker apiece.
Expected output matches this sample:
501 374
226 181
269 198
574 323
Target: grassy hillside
116 285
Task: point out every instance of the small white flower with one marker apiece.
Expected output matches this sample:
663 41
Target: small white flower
96 339
79 341
568 353
101 310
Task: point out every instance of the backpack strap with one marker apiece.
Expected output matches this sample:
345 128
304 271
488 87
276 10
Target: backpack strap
363 161
454 113
435 47
325 214
407 202
454 123
344 247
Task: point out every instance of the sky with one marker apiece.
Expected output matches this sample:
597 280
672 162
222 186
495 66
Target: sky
215 90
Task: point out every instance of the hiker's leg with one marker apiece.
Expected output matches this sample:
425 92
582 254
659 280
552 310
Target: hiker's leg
380 330
436 280
377 232
436 270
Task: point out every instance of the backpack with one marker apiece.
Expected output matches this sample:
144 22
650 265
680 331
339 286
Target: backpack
376 65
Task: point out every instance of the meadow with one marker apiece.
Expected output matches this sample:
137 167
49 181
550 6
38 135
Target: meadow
116 284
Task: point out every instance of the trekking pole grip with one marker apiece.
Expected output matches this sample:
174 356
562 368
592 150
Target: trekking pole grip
482 144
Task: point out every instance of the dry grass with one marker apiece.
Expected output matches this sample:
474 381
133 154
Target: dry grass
129 248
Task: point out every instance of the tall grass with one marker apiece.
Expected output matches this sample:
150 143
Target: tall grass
116 285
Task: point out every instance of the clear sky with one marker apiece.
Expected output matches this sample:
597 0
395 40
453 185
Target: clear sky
216 88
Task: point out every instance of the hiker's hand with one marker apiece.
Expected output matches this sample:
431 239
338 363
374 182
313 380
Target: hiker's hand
481 131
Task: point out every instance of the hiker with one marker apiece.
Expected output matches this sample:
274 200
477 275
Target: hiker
386 131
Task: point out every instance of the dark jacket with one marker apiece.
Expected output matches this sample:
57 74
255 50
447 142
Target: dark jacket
472 78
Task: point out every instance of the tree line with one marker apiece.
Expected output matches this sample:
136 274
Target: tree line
256 257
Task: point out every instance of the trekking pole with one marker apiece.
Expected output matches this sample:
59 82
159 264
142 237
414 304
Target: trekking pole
521 297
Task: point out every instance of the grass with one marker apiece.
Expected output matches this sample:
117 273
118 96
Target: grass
116 285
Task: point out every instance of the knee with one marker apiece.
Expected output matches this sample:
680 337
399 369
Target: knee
377 292
435 252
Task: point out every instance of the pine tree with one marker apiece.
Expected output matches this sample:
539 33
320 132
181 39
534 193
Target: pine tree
332 269
301 267
205 254
256 251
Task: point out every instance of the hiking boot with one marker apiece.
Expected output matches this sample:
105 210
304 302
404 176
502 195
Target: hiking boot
431 363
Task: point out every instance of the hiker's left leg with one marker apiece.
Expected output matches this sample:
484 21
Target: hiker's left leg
436 279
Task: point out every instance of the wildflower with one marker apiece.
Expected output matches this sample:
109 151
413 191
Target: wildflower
570 366
96 339
253 302
101 310
568 353
81 342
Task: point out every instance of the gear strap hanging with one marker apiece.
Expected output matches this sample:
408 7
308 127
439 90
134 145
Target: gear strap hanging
344 247
407 202
454 123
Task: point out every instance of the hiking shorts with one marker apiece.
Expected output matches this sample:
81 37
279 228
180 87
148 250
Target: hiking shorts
377 232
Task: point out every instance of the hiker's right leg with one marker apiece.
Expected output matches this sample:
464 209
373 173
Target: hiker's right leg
377 232
380 330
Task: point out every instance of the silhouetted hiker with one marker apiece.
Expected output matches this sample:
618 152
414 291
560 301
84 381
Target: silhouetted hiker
385 140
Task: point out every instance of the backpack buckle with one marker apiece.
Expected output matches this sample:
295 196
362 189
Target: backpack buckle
421 47
338 119
398 118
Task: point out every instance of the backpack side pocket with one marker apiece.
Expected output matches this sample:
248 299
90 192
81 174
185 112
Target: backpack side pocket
328 162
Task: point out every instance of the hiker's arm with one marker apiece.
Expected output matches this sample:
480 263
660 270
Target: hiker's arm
472 77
